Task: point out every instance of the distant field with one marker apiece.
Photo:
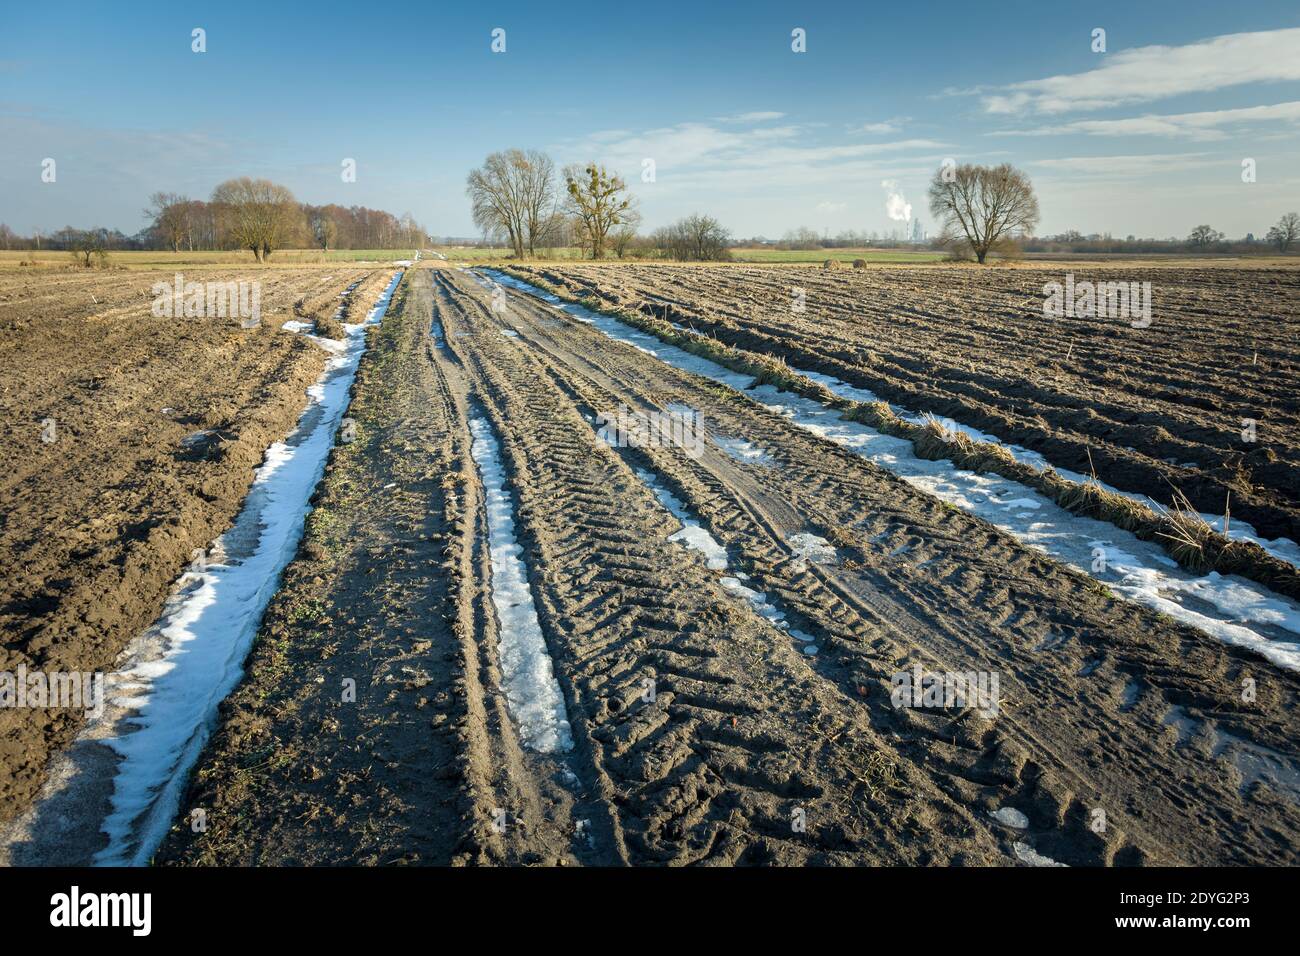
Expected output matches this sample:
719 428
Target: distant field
156 259
477 254
787 256
889 257
480 255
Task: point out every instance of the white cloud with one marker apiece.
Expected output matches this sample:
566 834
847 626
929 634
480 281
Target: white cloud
1131 166
1151 73
1201 126
758 176
759 116
693 147
885 127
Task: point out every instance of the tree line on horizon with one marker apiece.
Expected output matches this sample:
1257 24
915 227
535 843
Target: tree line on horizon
242 213
518 198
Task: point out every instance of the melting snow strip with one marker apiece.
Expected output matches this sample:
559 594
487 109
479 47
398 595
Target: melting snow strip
1028 855
697 538
172 678
810 547
532 692
1283 549
1229 608
744 451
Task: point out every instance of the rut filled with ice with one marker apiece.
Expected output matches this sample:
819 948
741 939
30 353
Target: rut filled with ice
1233 609
697 538
164 694
207 627
532 692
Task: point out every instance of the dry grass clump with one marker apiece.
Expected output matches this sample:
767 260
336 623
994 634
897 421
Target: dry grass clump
706 346
1195 545
877 415
832 264
935 440
773 371
997 459
1090 499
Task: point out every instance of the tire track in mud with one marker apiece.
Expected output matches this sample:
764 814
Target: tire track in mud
388 591
951 358
965 596
841 324
700 733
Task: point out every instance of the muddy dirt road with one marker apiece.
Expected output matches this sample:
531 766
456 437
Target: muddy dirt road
725 618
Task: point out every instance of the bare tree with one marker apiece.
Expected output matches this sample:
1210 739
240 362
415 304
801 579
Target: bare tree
598 201
512 196
556 232
494 202
621 238
412 232
324 230
170 215
89 247
1202 237
201 225
258 215
535 172
982 206
694 238
801 238
497 200
1286 232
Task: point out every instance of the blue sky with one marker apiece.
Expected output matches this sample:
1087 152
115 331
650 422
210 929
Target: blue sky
1147 138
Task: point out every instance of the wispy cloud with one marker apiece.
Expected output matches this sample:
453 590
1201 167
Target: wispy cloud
759 116
1203 126
1128 166
1151 73
797 167
885 127
696 146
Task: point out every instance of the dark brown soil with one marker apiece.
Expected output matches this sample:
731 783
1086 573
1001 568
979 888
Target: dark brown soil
1096 688
1104 706
98 523
1150 409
